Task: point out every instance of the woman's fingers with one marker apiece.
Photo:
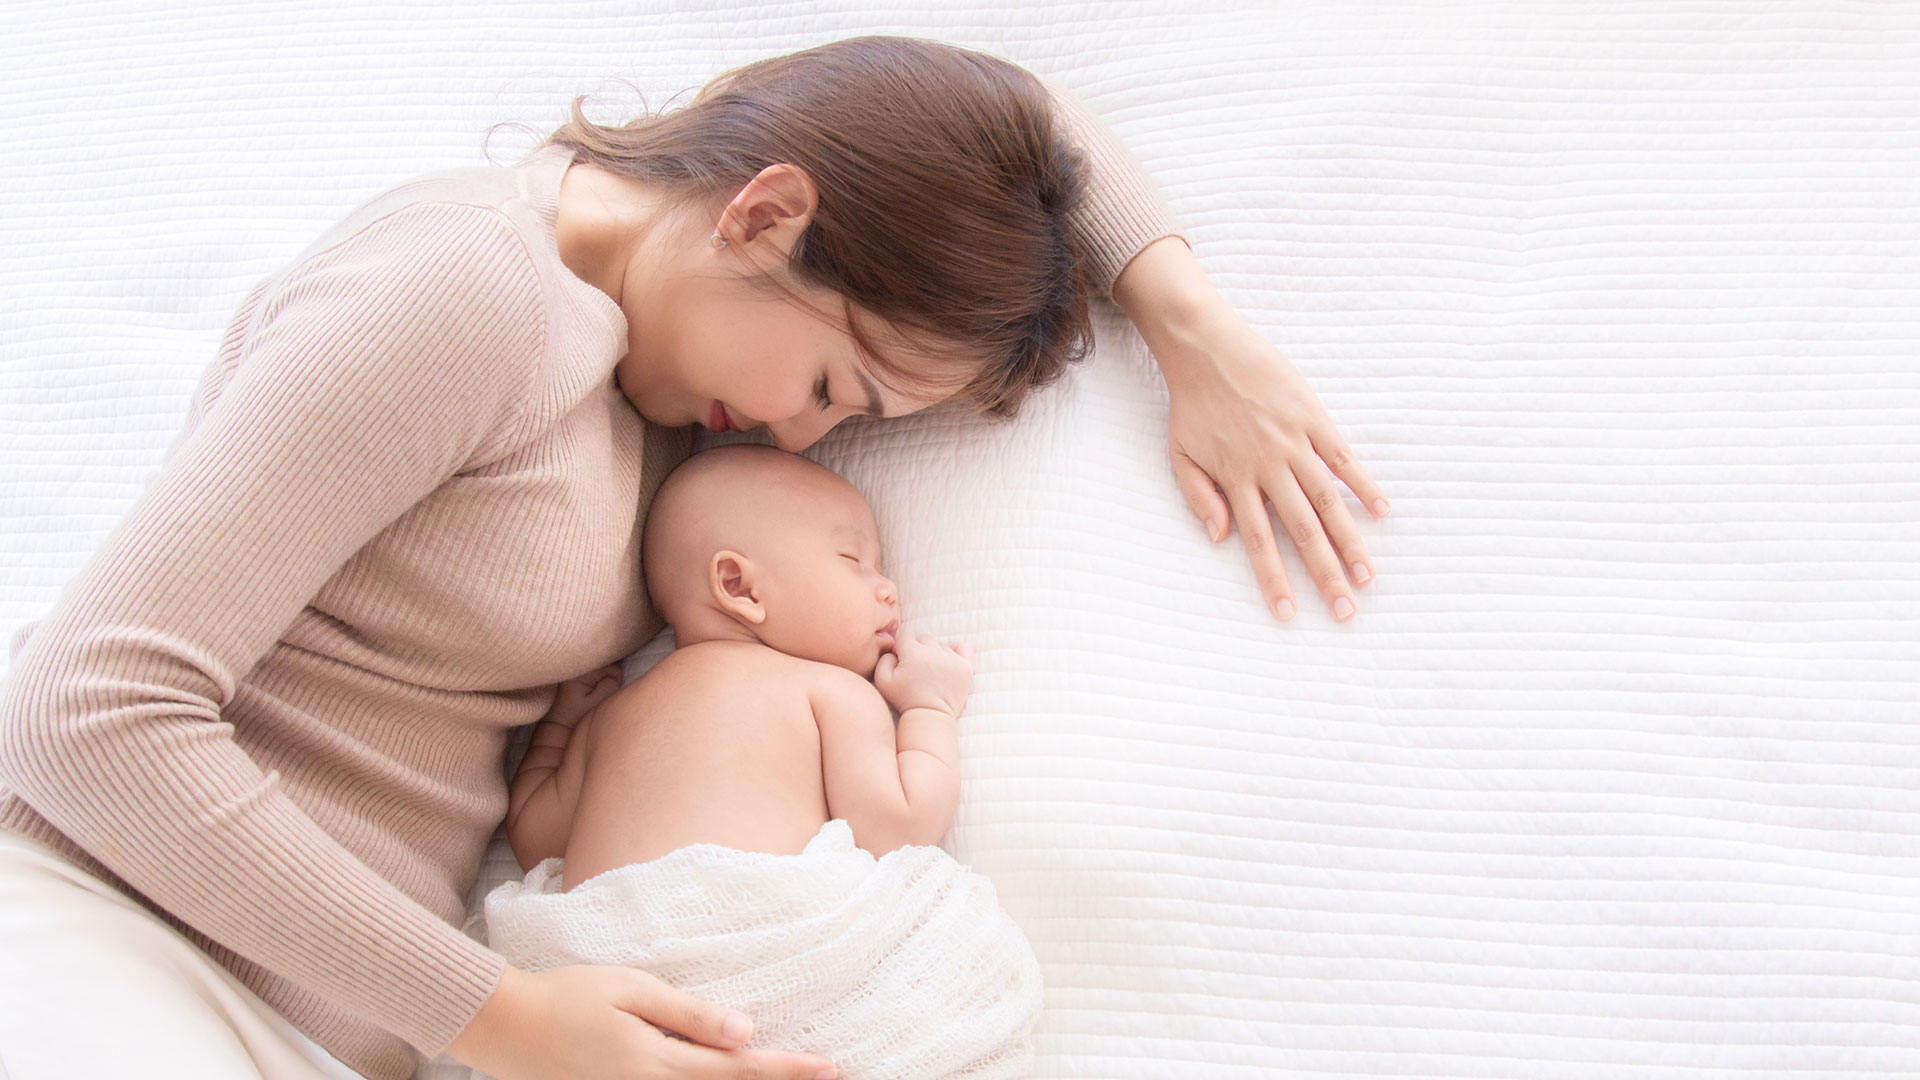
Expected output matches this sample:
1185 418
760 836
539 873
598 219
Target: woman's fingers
717 1033
1304 526
1202 495
701 1063
662 1005
606 1023
1250 510
1316 521
1334 451
1334 519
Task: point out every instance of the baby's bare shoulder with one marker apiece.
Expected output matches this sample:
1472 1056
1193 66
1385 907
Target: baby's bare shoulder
732 675
709 656
711 687
722 659
715 667
833 688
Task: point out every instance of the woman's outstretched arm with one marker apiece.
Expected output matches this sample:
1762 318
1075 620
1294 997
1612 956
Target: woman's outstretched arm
1245 430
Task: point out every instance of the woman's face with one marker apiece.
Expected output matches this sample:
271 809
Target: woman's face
720 334
719 349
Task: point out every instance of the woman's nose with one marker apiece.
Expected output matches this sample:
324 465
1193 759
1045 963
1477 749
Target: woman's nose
804 428
800 432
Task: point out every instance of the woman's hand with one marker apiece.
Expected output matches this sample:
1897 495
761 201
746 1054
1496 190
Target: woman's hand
599 1023
1245 430
577 697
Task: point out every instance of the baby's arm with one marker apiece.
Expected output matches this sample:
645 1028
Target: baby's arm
547 786
896 784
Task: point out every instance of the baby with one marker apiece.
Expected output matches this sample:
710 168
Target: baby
748 821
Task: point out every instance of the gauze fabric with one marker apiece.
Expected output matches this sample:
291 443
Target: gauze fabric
898 967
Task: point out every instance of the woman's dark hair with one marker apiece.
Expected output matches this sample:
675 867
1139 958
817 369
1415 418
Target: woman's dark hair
945 189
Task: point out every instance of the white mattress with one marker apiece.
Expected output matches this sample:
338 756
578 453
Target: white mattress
1617 773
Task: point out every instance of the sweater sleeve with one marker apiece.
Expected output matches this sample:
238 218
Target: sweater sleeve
1123 211
372 371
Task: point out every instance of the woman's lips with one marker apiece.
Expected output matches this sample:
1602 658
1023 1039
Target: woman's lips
717 419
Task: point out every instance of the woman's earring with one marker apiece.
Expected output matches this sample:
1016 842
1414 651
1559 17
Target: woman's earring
717 240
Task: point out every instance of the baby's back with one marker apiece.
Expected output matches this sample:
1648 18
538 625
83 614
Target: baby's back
907 966
716 745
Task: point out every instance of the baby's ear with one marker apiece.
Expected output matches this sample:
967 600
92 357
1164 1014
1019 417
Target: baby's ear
730 577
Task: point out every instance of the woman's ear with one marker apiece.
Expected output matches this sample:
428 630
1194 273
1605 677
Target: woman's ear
777 205
731 579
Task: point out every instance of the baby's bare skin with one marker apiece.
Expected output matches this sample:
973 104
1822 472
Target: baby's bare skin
717 744
764 724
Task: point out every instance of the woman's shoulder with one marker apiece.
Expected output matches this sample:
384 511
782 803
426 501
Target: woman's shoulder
447 246
432 279
447 214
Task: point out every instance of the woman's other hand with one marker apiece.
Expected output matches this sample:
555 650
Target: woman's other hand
577 697
1245 430
594 1022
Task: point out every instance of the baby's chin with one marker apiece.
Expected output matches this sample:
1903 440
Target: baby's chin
869 661
862 658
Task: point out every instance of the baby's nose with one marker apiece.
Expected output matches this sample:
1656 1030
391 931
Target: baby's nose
887 592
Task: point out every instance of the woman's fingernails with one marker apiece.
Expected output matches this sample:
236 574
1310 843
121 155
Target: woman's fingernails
1342 608
1380 508
736 1028
1283 609
1361 574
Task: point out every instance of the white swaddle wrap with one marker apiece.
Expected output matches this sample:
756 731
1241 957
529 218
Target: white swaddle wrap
898 967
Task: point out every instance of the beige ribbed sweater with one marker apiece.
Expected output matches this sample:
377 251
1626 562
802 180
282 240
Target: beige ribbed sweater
407 502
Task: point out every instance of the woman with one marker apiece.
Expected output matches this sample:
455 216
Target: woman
408 502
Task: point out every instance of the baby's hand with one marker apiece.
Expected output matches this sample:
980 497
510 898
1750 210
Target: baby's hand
921 673
578 697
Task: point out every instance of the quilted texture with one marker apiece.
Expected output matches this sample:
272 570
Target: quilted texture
1615 772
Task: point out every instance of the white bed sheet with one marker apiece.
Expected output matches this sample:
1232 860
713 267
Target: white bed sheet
1615 773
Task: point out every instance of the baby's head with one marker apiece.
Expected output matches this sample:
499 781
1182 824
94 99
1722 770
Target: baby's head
751 543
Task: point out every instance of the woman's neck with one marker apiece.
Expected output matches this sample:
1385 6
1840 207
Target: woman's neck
603 224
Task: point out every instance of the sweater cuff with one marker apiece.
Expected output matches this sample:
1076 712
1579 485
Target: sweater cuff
1123 211
467 974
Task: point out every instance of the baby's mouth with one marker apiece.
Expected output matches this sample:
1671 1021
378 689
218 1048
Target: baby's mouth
889 631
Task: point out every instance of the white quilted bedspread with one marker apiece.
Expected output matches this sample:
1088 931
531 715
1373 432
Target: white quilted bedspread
1617 773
